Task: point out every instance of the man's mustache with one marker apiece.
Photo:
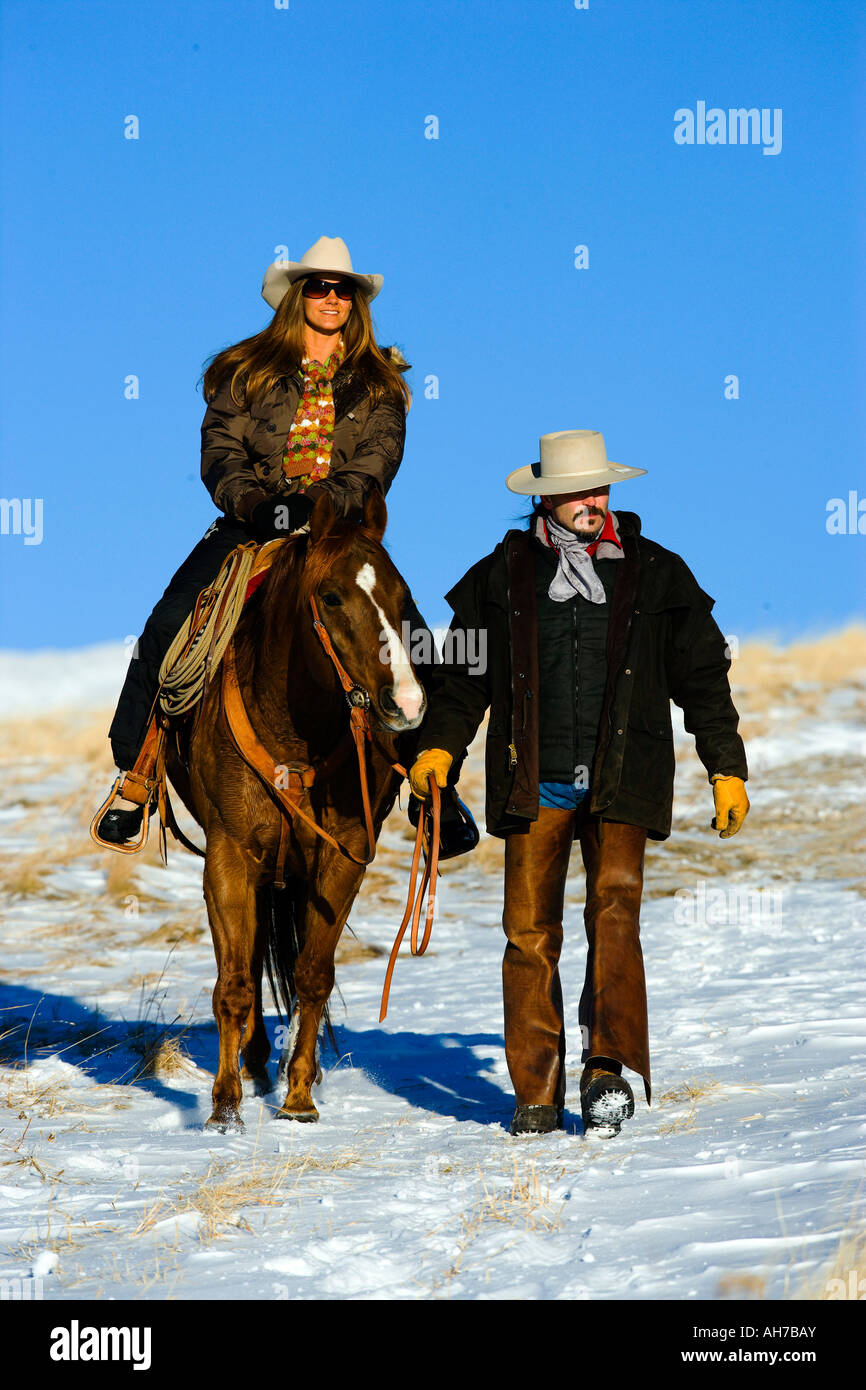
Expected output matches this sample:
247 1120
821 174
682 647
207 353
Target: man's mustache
588 511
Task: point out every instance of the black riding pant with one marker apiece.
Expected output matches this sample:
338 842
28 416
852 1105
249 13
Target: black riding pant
199 569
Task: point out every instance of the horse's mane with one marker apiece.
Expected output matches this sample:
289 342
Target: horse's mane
294 575
327 550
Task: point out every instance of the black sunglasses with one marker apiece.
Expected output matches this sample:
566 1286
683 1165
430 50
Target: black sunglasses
320 289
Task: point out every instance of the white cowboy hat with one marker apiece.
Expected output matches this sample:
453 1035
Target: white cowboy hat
571 461
328 256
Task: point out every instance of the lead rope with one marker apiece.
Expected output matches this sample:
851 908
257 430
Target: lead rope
359 703
413 901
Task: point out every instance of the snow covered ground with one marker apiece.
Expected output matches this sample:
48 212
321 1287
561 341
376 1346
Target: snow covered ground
744 1179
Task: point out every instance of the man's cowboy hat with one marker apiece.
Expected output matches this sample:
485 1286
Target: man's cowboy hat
571 461
328 256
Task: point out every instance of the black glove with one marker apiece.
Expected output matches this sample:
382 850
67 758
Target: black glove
279 516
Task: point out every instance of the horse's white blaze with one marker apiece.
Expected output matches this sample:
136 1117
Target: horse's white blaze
408 695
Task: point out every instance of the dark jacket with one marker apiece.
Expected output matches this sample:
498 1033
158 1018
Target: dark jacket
242 450
662 644
572 670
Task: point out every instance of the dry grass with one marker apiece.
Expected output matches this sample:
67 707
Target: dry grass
166 1056
688 1093
843 1277
121 875
836 1281
7 1050
741 1285
157 1045
834 659
701 1088
70 736
191 925
36 1102
229 1192
350 949
27 876
525 1203
27 1163
691 1093
63 1234
35 1099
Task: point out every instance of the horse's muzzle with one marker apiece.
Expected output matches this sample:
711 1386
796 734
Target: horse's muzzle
393 716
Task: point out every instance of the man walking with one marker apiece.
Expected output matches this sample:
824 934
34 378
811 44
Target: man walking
591 631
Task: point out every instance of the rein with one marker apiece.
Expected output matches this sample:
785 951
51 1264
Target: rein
360 732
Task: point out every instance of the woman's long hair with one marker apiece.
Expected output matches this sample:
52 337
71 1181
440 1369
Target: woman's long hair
255 364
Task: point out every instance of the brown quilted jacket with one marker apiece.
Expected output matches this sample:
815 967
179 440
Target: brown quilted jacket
241 450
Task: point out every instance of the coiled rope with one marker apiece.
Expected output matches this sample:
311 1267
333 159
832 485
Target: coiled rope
199 645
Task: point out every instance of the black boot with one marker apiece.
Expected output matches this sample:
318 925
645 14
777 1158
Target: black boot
536 1119
605 1101
118 826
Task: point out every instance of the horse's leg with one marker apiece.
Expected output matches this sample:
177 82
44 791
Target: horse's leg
230 894
331 895
255 1045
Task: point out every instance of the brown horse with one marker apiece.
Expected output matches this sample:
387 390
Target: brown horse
297 708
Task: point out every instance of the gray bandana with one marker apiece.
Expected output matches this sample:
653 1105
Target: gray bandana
575 572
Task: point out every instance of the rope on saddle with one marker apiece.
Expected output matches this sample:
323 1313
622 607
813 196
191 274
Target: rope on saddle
199 645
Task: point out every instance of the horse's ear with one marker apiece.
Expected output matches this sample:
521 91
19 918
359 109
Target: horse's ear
375 513
322 517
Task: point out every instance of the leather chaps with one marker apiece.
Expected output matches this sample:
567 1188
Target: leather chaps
613 1009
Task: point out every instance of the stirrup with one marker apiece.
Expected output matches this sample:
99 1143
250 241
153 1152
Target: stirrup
133 847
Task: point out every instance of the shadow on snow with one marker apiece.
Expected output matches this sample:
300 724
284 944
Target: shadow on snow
438 1072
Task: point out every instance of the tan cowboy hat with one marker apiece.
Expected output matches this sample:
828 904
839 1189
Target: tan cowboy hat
571 461
328 256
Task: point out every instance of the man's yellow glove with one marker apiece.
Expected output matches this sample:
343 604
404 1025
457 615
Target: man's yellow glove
435 760
732 805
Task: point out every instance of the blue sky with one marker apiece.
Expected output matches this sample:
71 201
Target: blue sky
261 127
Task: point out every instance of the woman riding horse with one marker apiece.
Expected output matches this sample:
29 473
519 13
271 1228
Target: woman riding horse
310 405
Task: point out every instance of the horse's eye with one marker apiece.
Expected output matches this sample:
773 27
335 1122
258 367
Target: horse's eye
331 600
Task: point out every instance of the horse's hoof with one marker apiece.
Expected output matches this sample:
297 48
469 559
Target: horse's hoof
225 1122
306 1117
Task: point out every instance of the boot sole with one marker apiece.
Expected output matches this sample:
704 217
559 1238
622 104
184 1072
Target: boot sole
606 1112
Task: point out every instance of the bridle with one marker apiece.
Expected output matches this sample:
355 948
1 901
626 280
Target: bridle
304 775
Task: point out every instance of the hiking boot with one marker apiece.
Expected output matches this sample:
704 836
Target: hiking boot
536 1119
605 1101
458 833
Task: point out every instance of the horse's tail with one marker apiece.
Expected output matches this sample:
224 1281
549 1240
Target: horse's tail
283 910
284 917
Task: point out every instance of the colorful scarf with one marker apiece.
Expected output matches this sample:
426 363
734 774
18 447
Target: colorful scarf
307 452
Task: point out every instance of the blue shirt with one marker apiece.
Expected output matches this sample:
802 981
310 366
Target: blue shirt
564 796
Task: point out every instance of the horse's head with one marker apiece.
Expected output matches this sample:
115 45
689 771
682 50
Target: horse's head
365 606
